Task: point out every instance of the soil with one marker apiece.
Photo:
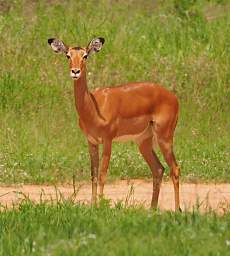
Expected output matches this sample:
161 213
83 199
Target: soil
129 192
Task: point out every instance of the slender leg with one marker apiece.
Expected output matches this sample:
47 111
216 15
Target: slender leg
104 165
167 151
156 167
94 158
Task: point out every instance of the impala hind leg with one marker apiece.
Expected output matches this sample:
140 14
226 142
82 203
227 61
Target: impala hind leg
156 167
94 159
167 151
104 165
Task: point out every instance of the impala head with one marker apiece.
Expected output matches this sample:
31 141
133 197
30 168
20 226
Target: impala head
77 55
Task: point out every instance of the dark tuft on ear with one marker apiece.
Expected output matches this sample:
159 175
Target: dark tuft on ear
50 41
102 40
95 45
57 45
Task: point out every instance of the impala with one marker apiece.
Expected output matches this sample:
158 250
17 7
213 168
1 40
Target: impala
145 113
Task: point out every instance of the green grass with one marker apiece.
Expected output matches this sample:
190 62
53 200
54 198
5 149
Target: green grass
67 229
180 44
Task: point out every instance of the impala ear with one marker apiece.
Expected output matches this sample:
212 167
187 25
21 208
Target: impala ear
95 45
57 45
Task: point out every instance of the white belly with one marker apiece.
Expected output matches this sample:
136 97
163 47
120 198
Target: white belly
138 138
125 138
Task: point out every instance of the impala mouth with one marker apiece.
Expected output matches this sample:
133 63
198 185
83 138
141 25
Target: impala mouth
74 76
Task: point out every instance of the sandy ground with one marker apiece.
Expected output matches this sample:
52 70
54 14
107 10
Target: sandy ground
130 192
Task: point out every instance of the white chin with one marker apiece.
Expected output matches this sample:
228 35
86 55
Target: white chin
74 77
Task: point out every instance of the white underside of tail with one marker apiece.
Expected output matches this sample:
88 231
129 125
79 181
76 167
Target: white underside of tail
154 140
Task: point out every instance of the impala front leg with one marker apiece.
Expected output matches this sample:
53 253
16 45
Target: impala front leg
104 165
94 158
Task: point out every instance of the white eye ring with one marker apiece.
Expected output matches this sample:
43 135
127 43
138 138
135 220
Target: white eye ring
85 56
68 56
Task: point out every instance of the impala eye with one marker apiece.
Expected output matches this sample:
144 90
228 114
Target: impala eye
67 56
85 56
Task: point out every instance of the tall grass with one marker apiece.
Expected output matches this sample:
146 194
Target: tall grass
67 229
185 47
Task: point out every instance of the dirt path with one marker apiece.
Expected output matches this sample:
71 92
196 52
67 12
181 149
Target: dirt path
205 196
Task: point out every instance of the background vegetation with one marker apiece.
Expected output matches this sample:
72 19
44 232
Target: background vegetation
183 45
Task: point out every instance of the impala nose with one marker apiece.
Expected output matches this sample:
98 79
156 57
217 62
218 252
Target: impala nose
76 71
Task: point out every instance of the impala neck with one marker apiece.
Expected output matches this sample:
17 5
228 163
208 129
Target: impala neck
84 104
